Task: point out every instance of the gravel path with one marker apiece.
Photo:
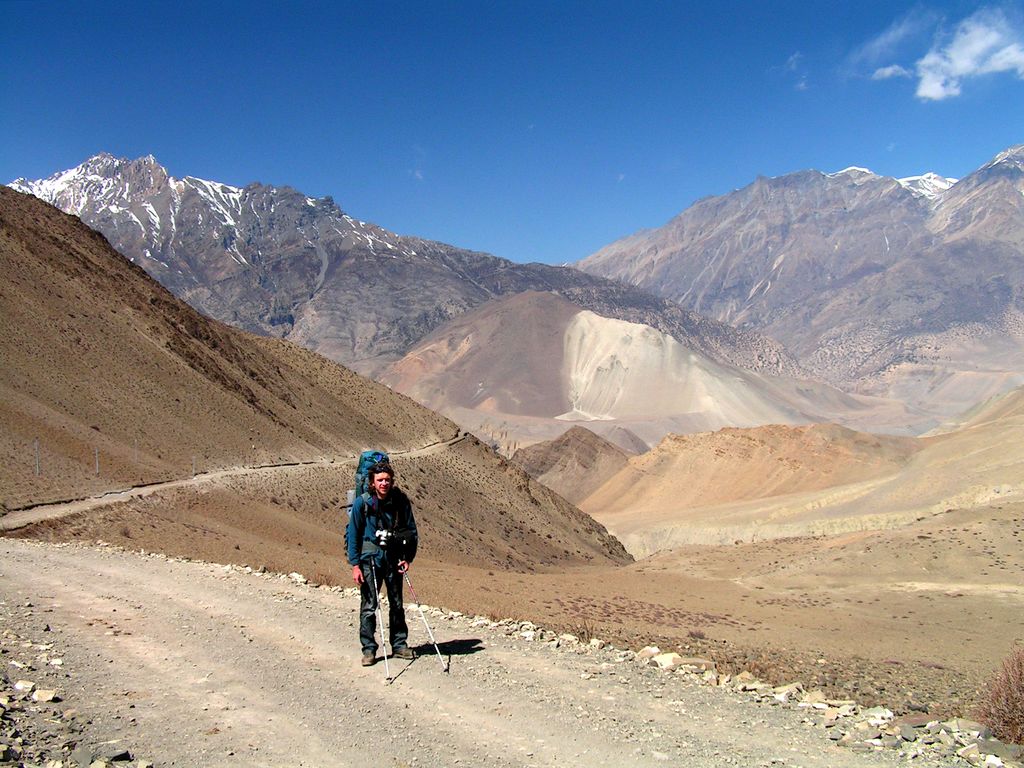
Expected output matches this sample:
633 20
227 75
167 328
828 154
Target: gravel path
192 664
34 513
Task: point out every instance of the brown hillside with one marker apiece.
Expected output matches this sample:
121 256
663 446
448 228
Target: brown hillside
98 356
574 464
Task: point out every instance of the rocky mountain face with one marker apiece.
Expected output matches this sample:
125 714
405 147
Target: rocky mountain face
276 262
911 287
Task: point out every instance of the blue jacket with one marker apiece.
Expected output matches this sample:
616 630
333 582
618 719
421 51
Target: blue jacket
370 515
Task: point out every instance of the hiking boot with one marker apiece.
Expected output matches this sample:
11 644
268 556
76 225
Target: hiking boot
404 652
369 657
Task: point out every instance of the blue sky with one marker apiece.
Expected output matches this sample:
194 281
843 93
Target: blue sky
537 131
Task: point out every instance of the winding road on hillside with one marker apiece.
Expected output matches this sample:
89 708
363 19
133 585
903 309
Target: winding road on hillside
193 664
20 518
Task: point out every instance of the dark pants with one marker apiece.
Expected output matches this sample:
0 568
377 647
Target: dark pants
397 628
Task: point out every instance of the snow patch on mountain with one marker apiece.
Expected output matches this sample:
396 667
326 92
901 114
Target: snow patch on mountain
927 185
112 193
1013 156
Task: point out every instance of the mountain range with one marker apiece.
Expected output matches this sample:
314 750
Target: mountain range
905 288
276 262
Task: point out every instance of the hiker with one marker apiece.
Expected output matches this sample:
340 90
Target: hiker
381 541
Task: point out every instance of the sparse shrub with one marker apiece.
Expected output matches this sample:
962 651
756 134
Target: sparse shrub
1002 708
324 579
696 634
584 630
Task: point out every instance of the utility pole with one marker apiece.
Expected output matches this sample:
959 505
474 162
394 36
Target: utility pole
37 456
96 453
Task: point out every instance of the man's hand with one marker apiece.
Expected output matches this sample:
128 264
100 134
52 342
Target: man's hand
402 566
357 575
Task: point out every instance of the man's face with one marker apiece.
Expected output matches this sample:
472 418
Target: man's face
382 484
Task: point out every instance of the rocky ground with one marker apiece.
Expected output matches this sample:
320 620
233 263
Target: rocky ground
111 656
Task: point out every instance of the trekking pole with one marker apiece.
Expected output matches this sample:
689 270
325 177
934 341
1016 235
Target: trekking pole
419 607
380 623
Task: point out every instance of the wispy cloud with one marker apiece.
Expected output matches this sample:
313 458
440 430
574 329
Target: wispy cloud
893 70
985 43
909 29
991 40
795 69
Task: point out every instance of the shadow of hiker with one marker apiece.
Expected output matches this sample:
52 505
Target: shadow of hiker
461 647
446 650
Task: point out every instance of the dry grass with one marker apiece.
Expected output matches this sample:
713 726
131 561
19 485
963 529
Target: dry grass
1002 708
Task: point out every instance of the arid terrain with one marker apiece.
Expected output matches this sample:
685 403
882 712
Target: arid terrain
880 570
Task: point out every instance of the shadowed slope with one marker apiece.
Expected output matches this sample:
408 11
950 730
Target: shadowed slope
573 464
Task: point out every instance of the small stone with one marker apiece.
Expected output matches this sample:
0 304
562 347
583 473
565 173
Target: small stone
970 753
666 660
813 697
878 715
648 652
44 695
999 749
908 733
698 663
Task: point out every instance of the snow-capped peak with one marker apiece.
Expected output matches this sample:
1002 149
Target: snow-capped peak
1013 156
928 185
854 175
102 177
853 170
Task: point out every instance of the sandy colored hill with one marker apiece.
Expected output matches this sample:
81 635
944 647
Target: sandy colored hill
673 486
515 370
757 484
98 356
574 464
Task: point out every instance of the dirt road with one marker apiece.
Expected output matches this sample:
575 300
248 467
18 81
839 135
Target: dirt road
192 664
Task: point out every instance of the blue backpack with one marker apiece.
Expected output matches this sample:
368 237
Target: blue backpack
366 461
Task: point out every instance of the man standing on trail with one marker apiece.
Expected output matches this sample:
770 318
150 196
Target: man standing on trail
382 542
